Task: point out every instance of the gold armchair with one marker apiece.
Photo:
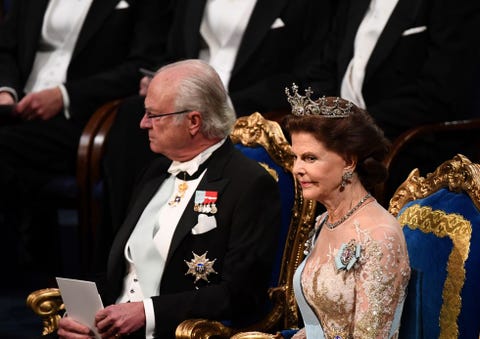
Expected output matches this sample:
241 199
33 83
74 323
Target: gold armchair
440 215
262 140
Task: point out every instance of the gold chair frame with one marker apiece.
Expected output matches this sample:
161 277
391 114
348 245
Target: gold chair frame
458 174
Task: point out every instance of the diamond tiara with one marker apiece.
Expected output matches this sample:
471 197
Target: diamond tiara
329 107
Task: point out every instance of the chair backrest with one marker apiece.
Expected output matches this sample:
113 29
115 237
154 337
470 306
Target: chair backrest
440 215
264 141
89 177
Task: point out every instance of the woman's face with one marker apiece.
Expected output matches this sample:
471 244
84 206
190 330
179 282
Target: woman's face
318 169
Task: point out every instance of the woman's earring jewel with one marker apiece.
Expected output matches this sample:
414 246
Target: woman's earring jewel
346 177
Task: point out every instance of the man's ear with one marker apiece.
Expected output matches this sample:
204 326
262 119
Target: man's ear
195 122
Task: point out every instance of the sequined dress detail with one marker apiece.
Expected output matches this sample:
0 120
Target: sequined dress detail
364 297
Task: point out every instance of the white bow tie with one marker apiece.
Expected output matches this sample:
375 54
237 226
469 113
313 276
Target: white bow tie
189 166
192 166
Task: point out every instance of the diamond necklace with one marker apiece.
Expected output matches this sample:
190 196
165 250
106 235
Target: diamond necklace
347 215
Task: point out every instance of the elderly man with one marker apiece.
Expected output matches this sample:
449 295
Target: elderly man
200 234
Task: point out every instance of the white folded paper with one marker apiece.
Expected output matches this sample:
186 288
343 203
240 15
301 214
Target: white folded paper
81 300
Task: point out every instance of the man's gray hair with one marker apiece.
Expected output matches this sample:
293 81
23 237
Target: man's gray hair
203 91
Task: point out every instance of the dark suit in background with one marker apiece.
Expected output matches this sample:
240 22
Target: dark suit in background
268 58
410 79
112 44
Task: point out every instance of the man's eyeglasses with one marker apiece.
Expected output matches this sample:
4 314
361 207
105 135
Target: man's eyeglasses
153 116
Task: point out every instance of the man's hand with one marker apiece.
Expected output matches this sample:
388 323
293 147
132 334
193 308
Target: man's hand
121 319
69 329
6 99
42 105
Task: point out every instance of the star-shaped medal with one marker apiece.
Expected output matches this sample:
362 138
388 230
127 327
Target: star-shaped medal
200 267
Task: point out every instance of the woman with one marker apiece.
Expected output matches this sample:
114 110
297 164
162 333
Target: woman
352 282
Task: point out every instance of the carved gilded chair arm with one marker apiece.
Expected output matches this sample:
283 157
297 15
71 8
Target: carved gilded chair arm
201 328
256 335
204 328
47 304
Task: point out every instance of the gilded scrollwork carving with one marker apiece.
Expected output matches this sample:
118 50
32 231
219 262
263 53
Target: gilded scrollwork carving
255 130
253 335
457 174
202 328
47 304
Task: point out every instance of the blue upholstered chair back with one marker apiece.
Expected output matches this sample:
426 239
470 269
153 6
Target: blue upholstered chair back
287 194
263 141
440 215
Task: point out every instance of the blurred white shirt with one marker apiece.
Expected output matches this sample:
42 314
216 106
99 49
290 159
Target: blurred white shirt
366 38
222 28
62 23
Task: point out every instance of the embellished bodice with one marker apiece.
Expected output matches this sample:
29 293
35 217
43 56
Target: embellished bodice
355 278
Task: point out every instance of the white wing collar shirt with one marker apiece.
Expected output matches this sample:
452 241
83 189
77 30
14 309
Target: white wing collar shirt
61 27
147 248
366 38
222 28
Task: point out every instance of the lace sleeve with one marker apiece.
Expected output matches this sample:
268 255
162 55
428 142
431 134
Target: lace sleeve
380 283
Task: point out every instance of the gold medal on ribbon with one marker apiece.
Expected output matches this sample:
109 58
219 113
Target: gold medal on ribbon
181 189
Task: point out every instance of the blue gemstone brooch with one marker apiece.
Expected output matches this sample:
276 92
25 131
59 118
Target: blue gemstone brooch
347 255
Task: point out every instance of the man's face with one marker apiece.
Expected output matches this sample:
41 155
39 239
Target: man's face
167 134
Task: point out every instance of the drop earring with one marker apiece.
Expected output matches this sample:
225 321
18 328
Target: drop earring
346 177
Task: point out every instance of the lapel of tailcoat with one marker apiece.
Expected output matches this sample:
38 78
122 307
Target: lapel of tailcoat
96 15
213 180
32 30
263 16
402 16
193 19
356 12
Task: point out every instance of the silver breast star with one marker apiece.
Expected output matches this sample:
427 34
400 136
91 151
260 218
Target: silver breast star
200 267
